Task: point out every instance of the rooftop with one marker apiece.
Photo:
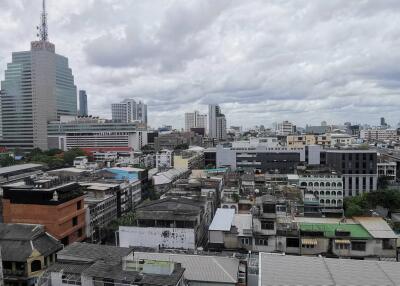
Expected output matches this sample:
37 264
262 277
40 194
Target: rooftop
200 268
329 229
18 241
276 269
222 220
15 168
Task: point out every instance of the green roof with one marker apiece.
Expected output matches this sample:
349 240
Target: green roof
356 230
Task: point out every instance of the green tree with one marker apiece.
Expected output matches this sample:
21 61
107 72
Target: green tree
6 160
353 210
70 155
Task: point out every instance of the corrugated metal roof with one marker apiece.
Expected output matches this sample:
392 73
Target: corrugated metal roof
376 226
301 270
222 220
200 268
20 167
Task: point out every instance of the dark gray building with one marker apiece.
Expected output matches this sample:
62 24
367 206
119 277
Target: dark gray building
83 106
358 169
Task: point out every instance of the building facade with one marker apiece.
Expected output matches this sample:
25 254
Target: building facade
129 111
38 87
216 123
54 202
195 120
83 105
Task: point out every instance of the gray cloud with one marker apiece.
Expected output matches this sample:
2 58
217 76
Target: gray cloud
264 61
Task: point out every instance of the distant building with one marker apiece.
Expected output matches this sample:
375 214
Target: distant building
285 128
387 170
52 201
170 141
216 123
358 169
26 251
195 120
93 132
164 159
379 134
189 159
129 111
83 105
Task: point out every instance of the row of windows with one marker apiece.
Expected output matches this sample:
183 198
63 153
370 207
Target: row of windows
321 184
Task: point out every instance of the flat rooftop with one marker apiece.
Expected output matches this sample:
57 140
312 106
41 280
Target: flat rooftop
21 167
278 269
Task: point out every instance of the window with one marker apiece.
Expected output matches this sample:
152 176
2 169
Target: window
267 225
386 244
358 245
268 208
292 242
245 240
79 205
342 246
80 232
262 241
36 265
75 221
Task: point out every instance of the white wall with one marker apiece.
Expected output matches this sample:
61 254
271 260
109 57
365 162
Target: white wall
182 238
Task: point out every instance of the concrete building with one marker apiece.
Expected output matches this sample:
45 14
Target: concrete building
26 251
93 132
93 264
38 87
285 128
195 120
178 223
326 186
54 202
387 170
216 123
378 134
164 159
170 141
189 159
300 140
358 169
163 181
129 111
83 105
19 172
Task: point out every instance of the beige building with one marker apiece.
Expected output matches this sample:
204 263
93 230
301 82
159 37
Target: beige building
300 140
189 160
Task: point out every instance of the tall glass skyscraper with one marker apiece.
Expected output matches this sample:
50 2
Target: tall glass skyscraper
38 87
83 107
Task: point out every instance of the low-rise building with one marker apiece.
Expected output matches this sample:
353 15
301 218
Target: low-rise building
164 159
378 134
55 202
387 170
189 159
26 250
94 264
163 181
169 223
300 140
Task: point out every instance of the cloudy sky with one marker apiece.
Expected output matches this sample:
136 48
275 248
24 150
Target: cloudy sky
262 61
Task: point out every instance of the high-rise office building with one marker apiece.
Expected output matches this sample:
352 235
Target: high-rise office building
83 107
129 111
216 123
195 120
38 87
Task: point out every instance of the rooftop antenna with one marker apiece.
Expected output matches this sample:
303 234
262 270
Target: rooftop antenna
43 29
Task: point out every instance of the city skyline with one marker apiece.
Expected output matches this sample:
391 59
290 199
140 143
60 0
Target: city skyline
303 62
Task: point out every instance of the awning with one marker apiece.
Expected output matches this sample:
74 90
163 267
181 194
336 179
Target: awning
308 241
342 241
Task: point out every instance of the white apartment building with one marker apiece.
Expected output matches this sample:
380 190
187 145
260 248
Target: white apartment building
285 128
376 134
129 111
195 120
164 159
388 170
216 123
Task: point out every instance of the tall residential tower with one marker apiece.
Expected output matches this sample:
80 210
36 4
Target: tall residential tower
195 120
129 111
38 87
216 123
